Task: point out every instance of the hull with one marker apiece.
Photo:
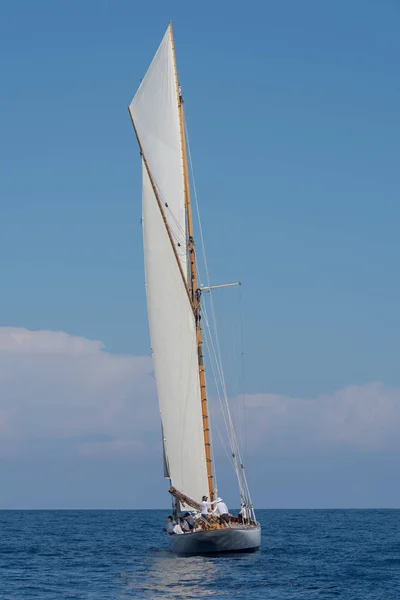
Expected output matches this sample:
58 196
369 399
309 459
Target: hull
237 539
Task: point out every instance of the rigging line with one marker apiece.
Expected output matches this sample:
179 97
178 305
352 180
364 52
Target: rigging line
224 399
229 425
238 417
215 480
214 364
226 450
226 417
243 361
235 397
210 349
240 474
211 421
213 353
235 401
215 424
235 449
210 344
211 424
181 230
224 402
215 421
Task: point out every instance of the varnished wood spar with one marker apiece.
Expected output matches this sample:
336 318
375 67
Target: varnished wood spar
161 209
184 499
194 287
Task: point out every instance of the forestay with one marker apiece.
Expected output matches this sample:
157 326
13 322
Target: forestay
173 339
154 111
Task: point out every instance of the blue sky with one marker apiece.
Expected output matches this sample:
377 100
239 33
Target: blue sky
293 115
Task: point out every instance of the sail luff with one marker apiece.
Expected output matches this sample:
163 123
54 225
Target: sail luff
193 284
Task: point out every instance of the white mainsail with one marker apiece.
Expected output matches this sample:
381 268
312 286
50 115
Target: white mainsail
173 338
154 111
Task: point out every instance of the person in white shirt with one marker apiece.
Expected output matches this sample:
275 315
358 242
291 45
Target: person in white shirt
222 510
177 528
244 514
204 506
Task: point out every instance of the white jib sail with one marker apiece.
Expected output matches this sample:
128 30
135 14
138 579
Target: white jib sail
154 110
173 339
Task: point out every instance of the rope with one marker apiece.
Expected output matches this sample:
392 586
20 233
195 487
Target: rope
243 364
216 358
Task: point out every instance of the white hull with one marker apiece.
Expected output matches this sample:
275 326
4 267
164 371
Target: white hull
238 539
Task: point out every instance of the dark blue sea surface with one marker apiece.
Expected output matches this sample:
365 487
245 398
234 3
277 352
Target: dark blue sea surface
99 555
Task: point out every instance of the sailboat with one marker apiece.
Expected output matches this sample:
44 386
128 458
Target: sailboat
175 305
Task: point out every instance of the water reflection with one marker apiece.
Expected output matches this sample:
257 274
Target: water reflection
165 575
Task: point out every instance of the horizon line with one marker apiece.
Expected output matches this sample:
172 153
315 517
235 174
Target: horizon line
169 509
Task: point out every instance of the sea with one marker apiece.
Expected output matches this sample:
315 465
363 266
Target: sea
123 554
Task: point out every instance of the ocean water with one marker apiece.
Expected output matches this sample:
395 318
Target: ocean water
99 555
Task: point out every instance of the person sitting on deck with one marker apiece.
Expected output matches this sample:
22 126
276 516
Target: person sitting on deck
204 506
184 525
189 520
177 528
170 525
222 510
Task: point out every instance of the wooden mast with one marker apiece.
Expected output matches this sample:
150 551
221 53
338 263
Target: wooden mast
193 285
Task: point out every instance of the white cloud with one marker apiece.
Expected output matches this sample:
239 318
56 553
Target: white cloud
16 340
364 417
55 387
66 395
